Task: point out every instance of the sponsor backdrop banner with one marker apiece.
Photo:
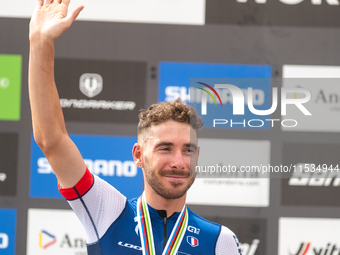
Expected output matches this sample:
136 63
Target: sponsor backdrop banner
96 90
186 12
121 56
218 104
308 236
251 233
315 180
323 84
10 86
55 232
308 71
8 163
109 157
252 191
7 231
315 13
175 77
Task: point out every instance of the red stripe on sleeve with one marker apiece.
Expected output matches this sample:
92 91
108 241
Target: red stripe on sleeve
84 184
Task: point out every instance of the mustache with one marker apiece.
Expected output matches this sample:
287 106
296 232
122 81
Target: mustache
174 173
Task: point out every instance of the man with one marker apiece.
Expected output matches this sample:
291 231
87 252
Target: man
159 221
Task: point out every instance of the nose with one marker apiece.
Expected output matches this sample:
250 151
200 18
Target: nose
177 161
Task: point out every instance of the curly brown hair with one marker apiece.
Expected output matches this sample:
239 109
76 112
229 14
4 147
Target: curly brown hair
161 112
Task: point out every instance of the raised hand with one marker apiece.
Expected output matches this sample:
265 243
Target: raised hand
50 20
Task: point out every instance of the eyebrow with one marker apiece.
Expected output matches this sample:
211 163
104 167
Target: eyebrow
171 144
163 144
191 145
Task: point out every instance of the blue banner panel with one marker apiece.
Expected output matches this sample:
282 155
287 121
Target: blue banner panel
226 102
109 157
7 231
176 78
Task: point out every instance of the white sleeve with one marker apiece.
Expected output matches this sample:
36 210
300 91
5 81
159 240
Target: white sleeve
98 208
227 243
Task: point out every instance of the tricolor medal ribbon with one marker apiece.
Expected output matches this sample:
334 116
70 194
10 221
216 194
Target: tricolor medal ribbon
145 229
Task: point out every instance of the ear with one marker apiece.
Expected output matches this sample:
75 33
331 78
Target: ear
137 153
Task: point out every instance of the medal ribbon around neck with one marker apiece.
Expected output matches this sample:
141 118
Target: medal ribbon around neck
145 229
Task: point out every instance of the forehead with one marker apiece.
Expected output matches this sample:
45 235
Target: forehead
172 132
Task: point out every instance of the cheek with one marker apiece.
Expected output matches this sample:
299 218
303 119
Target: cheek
162 159
193 160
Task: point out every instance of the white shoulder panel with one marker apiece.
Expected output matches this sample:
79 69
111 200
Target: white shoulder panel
98 209
227 243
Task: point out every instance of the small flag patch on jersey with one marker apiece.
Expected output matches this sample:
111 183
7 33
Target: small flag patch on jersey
192 241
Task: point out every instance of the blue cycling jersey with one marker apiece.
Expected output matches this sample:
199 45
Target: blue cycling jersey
111 224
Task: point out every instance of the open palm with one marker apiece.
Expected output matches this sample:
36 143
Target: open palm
50 20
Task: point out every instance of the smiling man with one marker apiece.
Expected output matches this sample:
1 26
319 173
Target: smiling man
159 222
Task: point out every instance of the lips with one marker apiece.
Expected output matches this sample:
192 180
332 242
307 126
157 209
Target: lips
176 178
174 173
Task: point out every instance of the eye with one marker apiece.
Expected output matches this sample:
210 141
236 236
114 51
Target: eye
164 149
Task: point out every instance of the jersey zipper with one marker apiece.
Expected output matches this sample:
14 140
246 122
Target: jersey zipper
165 235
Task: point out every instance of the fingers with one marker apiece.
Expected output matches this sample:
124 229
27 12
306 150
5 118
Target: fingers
48 2
40 2
66 2
74 14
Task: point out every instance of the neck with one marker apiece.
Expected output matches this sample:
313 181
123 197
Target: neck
158 202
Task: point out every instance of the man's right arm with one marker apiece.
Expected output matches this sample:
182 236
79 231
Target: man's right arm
48 22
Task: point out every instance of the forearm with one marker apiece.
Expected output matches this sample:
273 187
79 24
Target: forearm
47 116
48 22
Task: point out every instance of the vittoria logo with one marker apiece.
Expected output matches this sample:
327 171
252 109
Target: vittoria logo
307 248
309 236
91 84
192 241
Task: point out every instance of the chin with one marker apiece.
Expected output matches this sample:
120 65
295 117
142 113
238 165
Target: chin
173 195
175 191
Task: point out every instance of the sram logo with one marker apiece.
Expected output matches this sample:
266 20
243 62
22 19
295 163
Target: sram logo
293 2
4 240
310 176
99 166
